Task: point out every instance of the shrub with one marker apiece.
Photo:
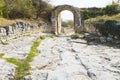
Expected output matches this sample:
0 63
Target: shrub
110 9
43 9
2 4
18 9
75 36
109 27
68 23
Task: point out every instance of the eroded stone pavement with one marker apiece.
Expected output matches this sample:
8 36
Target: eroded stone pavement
17 48
63 58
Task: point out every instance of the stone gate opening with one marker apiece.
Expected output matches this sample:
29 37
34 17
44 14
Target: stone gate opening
56 19
67 22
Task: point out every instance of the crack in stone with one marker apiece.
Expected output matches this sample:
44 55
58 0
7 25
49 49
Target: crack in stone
90 74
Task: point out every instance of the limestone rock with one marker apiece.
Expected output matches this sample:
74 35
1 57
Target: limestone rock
103 39
7 70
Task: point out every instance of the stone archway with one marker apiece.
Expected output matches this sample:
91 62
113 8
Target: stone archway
56 19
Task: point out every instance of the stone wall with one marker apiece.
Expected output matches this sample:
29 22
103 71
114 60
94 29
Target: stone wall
20 28
90 28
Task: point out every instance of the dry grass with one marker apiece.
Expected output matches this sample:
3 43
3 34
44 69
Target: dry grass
105 17
5 22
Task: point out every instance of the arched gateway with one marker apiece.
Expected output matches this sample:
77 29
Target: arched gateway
56 19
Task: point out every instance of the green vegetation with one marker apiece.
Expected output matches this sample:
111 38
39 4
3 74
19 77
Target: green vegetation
104 18
108 22
88 13
43 9
1 55
77 35
17 9
4 42
106 25
68 23
2 4
111 9
42 37
14 9
109 27
23 66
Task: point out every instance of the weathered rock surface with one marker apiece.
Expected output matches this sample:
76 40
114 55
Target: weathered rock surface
7 70
64 59
20 47
17 48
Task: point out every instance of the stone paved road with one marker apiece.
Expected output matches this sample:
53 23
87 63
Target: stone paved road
63 58
17 48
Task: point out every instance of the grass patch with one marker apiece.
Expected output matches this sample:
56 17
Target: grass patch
33 50
4 42
1 55
26 35
23 66
52 36
104 17
15 38
42 37
76 36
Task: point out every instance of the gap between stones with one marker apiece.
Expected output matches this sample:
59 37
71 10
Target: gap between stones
23 67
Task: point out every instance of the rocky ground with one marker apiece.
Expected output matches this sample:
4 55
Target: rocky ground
17 48
63 58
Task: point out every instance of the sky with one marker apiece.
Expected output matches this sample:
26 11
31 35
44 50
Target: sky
67 15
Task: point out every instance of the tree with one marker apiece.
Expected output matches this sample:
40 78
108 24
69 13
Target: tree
43 9
110 9
18 9
2 4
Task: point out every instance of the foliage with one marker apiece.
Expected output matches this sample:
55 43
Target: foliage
110 9
13 9
18 9
23 66
68 23
2 4
90 12
109 27
1 55
43 9
77 36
